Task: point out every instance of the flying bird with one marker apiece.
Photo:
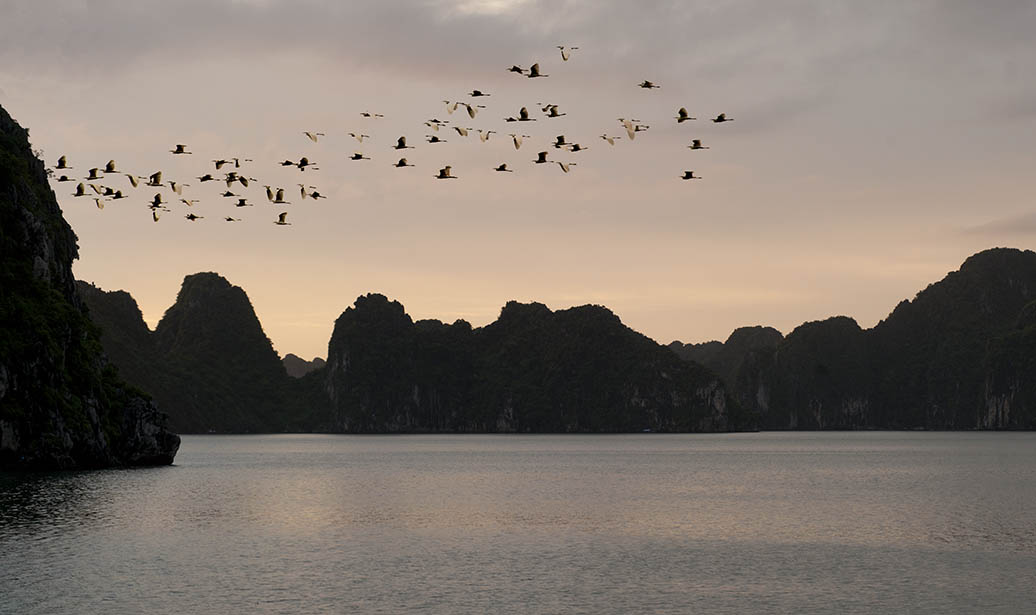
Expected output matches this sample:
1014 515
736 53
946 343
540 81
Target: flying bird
516 69
110 167
689 175
648 85
64 178
503 168
483 135
473 109
304 163
517 139
401 144
560 142
435 139
133 180
566 53
155 179
93 173
193 217
220 162
180 148
282 219
478 93
80 190
207 178
189 202
177 187
541 158
279 198
313 136
552 111
359 136
445 173
451 106
243 203
565 165
534 71
696 144
682 116
461 131
722 117
402 163
371 115
62 163
358 156
229 219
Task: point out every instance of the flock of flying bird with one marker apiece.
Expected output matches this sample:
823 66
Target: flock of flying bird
237 175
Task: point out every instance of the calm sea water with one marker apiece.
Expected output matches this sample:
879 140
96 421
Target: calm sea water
743 523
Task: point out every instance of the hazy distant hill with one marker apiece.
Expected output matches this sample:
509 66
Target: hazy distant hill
298 367
61 403
961 355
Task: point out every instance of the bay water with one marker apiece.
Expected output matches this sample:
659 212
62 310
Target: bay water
831 522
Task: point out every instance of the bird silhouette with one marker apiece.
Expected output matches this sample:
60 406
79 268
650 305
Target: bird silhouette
566 53
401 144
689 175
696 144
445 173
534 71
648 85
682 116
503 168
180 148
313 136
722 117
541 158
402 163
282 219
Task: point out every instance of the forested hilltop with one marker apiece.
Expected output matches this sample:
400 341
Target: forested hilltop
960 355
62 405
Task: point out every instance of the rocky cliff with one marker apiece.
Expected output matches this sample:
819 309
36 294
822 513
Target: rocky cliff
532 370
62 405
960 355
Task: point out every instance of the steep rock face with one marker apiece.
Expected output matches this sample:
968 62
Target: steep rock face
533 370
298 367
208 362
61 404
953 358
1009 400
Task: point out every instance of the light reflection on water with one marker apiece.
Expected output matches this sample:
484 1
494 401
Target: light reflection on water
776 522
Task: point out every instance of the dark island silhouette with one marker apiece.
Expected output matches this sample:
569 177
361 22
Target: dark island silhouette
211 367
960 355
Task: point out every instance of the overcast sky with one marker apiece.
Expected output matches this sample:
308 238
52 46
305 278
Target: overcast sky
875 146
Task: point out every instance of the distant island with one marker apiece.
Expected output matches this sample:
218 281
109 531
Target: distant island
211 366
960 355
62 404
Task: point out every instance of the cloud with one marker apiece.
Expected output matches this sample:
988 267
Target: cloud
1013 226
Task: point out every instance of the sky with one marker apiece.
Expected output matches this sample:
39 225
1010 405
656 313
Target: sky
875 146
